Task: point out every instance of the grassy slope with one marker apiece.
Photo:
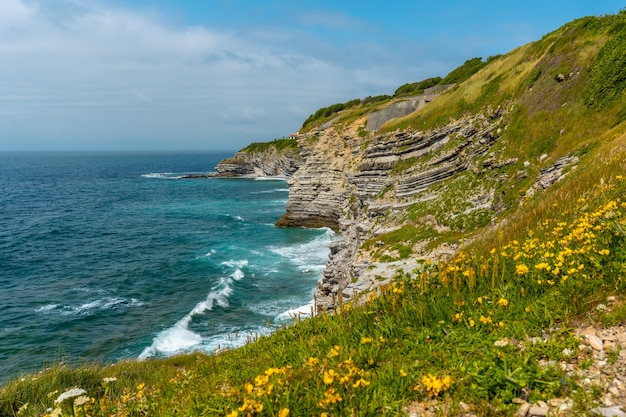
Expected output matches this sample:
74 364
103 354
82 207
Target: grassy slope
430 334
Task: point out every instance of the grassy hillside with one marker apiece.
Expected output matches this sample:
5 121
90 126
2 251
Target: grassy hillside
468 334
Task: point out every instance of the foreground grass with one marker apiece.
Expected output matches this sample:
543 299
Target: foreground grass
446 331
479 329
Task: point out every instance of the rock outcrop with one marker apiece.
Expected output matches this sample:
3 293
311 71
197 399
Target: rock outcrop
268 163
355 185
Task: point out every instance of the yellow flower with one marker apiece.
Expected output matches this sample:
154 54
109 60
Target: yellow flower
485 320
360 383
604 252
311 362
403 373
329 377
503 302
543 265
233 413
479 300
471 322
366 340
334 351
527 309
284 412
521 269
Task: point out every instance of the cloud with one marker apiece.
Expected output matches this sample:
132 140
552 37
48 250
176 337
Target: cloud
89 75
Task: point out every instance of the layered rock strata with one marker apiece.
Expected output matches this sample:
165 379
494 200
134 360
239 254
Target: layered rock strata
269 163
354 185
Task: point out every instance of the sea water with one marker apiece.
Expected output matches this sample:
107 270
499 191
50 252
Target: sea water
109 256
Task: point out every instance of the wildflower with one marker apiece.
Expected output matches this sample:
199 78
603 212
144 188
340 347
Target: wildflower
329 377
471 322
435 385
542 265
458 317
382 339
82 400
485 320
311 362
233 413
503 302
604 252
334 351
283 413
360 383
479 300
248 388
71 393
366 340
108 379
403 373
521 269
527 309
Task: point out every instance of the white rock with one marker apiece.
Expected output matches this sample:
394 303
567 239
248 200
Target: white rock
615 411
536 411
595 342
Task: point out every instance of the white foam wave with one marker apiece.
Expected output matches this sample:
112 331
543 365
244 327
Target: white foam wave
162 175
309 256
270 179
294 313
180 337
92 307
276 190
235 264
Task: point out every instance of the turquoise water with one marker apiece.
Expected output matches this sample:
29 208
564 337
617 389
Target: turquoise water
108 256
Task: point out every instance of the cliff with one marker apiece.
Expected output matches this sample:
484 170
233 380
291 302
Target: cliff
280 159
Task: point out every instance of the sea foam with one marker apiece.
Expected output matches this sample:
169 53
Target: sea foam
180 337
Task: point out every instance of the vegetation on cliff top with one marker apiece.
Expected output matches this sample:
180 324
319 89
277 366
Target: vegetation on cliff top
490 324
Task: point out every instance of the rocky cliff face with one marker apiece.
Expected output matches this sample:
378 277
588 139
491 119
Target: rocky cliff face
363 187
268 163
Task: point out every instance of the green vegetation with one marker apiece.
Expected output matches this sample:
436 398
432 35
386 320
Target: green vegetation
414 89
278 144
462 73
608 71
461 330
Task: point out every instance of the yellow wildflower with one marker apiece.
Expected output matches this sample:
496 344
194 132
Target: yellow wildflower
471 322
503 302
311 362
360 383
403 373
283 413
329 377
604 252
521 269
366 340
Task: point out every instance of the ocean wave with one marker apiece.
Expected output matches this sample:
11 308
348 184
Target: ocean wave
276 190
294 313
163 175
270 179
180 338
92 307
309 256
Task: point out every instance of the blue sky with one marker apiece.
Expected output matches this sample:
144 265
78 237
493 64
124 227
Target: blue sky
217 75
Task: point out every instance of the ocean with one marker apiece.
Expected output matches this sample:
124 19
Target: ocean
107 256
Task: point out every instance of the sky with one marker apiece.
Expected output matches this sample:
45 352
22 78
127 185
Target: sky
219 74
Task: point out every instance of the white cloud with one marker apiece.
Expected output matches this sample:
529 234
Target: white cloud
76 73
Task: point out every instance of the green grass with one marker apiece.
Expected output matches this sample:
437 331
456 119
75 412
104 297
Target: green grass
278 144
437 326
